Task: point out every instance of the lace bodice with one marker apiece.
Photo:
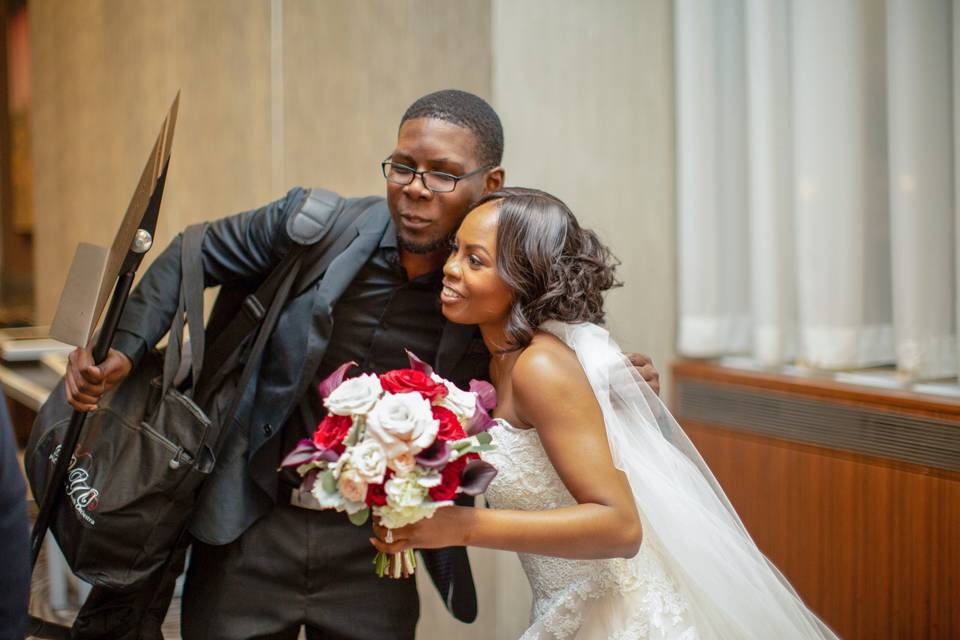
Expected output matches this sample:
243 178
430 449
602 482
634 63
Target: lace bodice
615 598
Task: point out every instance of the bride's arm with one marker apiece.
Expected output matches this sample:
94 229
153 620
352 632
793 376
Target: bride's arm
551 393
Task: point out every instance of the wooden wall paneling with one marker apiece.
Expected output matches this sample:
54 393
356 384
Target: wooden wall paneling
871 544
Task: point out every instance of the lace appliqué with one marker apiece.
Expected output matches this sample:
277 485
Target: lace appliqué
647 602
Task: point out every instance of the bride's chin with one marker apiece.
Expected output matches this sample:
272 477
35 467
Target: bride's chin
453 313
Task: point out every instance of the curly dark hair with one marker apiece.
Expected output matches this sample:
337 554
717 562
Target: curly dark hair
465 110
556 269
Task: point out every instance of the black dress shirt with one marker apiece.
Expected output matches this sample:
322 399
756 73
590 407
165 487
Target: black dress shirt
380 315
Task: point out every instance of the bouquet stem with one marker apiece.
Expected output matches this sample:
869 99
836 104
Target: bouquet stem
396 565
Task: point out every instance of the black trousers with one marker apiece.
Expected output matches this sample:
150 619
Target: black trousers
293 568
296 567
108 614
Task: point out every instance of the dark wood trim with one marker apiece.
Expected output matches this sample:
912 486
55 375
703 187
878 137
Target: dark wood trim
895 400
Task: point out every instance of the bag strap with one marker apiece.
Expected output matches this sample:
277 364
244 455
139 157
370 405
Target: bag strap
254 305
256 351
189 309
320 256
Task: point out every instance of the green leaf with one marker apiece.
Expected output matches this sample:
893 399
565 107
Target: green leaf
328 482
360 517
480 448
460 445
353 435
484 438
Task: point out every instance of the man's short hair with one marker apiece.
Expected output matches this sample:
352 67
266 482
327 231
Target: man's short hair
465 110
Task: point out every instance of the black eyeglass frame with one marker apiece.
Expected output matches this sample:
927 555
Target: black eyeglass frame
414 174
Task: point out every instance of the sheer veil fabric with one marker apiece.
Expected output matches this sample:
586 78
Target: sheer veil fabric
733 591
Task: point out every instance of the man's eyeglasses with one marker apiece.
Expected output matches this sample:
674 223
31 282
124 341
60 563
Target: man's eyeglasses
435 181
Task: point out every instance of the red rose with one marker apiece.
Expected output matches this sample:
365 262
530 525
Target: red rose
409 381
450 427
376 495
450 479
331 431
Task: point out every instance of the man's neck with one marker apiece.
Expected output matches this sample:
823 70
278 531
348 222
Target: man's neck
418 264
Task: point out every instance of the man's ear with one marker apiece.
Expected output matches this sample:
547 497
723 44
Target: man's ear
496 178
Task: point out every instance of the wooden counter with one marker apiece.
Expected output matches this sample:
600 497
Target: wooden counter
853 492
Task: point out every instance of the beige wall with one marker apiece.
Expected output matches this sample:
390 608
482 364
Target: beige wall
311 92
314 100
585 90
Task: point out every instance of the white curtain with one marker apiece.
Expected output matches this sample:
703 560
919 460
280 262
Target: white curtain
712 176
921 185
773 277
842 255
956 152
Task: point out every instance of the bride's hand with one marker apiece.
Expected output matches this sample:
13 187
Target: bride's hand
445 529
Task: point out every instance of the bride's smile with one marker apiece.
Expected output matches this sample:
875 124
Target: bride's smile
473 290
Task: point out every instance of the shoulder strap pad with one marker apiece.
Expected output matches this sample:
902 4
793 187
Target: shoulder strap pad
309 222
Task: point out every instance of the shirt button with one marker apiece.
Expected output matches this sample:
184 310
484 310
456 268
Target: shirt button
267 430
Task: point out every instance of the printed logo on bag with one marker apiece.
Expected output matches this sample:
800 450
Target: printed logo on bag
84 497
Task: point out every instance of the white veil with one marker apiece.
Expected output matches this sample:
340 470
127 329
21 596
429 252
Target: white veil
732 589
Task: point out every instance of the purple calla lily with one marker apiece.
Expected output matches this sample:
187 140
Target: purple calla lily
476 477
480 422
303 453
307 451
333 381
486 394
417 364
435 456
309 480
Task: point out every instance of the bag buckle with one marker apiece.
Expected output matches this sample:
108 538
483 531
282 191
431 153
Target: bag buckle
253 308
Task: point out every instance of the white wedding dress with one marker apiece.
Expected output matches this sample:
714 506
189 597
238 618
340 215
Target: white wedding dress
698 573
585 599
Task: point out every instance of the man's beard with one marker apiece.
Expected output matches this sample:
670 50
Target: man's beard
422 248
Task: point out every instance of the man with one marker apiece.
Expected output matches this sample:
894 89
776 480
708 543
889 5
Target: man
260 566
14 547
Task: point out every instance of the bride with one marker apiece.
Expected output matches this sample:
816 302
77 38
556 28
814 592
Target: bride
621 528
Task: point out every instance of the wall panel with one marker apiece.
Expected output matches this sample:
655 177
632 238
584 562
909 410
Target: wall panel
352 69
585 91
103 75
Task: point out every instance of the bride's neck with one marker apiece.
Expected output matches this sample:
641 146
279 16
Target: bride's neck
502 358
495 337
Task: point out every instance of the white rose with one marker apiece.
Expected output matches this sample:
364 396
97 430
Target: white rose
354 396
462 403
404 491
369 460
402 423
352 487
403 463
430 479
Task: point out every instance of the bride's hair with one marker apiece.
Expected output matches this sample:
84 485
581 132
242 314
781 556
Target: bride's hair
556 269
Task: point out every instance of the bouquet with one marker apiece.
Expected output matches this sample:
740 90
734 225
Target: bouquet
399 445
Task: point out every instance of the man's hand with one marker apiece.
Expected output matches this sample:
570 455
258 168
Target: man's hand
85 382
644 366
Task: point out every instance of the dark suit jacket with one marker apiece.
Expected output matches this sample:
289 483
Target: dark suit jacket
14 548
244 486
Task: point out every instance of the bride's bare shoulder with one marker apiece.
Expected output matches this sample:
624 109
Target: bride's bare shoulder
548 374
545 355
